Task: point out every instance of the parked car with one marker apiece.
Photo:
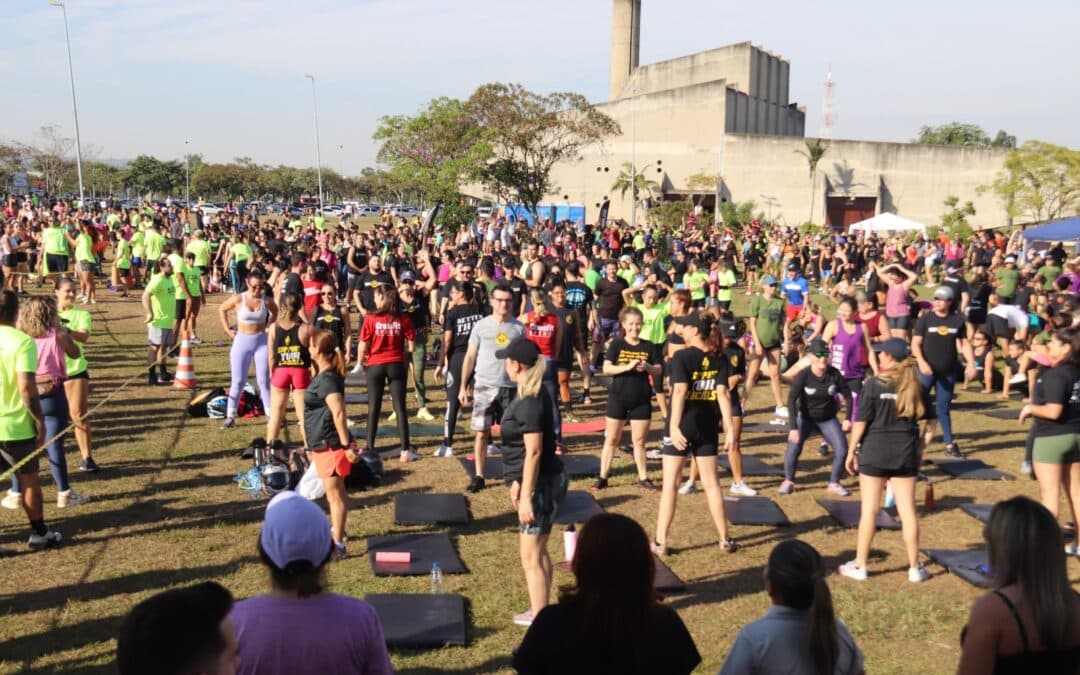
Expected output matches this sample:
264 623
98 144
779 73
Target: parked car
333 209
371 210
210 208
484 212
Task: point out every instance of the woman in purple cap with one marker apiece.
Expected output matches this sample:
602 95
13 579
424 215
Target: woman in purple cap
887 426
298 627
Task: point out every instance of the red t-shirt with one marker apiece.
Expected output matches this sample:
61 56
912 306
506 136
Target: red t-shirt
312 289
386 335
541 330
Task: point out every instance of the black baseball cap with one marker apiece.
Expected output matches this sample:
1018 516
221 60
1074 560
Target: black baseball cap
818 347
691 319
522 350
894 347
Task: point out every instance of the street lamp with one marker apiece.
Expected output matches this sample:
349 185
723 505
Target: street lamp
341 160
318 155
187 177
74 106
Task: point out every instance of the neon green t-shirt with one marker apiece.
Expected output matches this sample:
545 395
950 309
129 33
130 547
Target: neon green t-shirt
162 292
154 244
54 240
626 275
123 254
84 248
725 281
652 321
76 319
138 244
192 275
591 277
201 249
241 252
696 282
179 274
320 223
18 354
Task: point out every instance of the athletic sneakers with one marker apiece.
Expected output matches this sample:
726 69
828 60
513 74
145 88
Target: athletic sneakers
444 450
12 500
688 488
781 411
1072 550
229 423
1025 467
40 541
524 619
70 498
917 574
852 571
599 484
837 489
952 451
1019 378
425 415
340 552
786 488
654 454
410 455
647 484
475 485
392 417
196 340
728 546
741 489
571 418
494 450
89 465
823 450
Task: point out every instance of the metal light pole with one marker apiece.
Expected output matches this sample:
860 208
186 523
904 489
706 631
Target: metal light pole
74 106
341 160
318 155
719 175
633 161
187 177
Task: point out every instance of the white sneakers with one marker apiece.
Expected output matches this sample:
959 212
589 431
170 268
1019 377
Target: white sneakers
12 500
425 415
70 498
688 488
444 450
741 489
852 571
917 574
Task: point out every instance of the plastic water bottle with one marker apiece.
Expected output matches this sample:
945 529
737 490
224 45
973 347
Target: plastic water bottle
436 578
569 543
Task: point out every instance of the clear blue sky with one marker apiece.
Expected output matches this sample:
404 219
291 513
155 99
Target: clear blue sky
228 75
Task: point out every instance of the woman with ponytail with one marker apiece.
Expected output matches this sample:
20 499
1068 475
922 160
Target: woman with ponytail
290 368
799 634
326 429
887 427
531 467
699 401
300 627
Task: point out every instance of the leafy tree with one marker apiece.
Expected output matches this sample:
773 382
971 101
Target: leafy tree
815 150
12 161
528 133
1040 181
47 156
737 215
455 214
667 218
961 133
637 183
149 175
954 221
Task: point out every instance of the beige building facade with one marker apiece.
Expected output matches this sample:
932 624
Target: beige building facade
727 111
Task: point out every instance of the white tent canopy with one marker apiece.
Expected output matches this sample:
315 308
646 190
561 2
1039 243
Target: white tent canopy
887 222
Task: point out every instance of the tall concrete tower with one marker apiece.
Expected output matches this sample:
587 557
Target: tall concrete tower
625 43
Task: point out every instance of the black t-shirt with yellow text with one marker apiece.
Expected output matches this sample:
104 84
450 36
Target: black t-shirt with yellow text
703 373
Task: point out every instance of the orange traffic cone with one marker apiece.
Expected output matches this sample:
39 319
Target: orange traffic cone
185 368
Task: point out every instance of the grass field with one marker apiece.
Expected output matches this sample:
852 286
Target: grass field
166 512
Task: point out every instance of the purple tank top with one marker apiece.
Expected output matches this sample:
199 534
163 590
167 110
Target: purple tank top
847 351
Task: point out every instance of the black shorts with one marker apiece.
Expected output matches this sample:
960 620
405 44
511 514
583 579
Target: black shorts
564 366
878 472
181 308
55 262
998 327
13 452
84 375
693 449
736 405
620 410
353 281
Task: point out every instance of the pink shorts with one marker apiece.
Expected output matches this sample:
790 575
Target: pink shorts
293 377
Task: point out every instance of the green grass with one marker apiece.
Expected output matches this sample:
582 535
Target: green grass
165 513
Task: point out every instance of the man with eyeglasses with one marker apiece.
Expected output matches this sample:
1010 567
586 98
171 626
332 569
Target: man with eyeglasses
492 390
159 302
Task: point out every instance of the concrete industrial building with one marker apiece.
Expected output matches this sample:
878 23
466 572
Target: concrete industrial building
728 111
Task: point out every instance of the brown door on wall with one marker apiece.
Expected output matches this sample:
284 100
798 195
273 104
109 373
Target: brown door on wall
842 212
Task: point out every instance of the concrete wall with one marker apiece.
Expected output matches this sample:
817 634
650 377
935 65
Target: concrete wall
731 63
910 180
625 42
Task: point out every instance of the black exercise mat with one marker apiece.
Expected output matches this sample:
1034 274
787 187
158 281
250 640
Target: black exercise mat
416 621
751 466
355 380
666 580
971 469
426 549
847 514
1002 413
576 465
578 507
971 566
425 509
754 511
980 512
492 467
356 398
765 428
602 380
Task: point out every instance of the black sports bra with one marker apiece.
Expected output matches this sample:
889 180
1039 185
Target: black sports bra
1050 662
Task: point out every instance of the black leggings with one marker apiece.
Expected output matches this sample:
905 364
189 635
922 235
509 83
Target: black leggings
377 376
453 388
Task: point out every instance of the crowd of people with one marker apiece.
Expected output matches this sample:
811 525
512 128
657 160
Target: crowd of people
503 312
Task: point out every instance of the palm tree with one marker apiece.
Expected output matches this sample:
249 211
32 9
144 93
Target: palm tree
628 180
815 150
